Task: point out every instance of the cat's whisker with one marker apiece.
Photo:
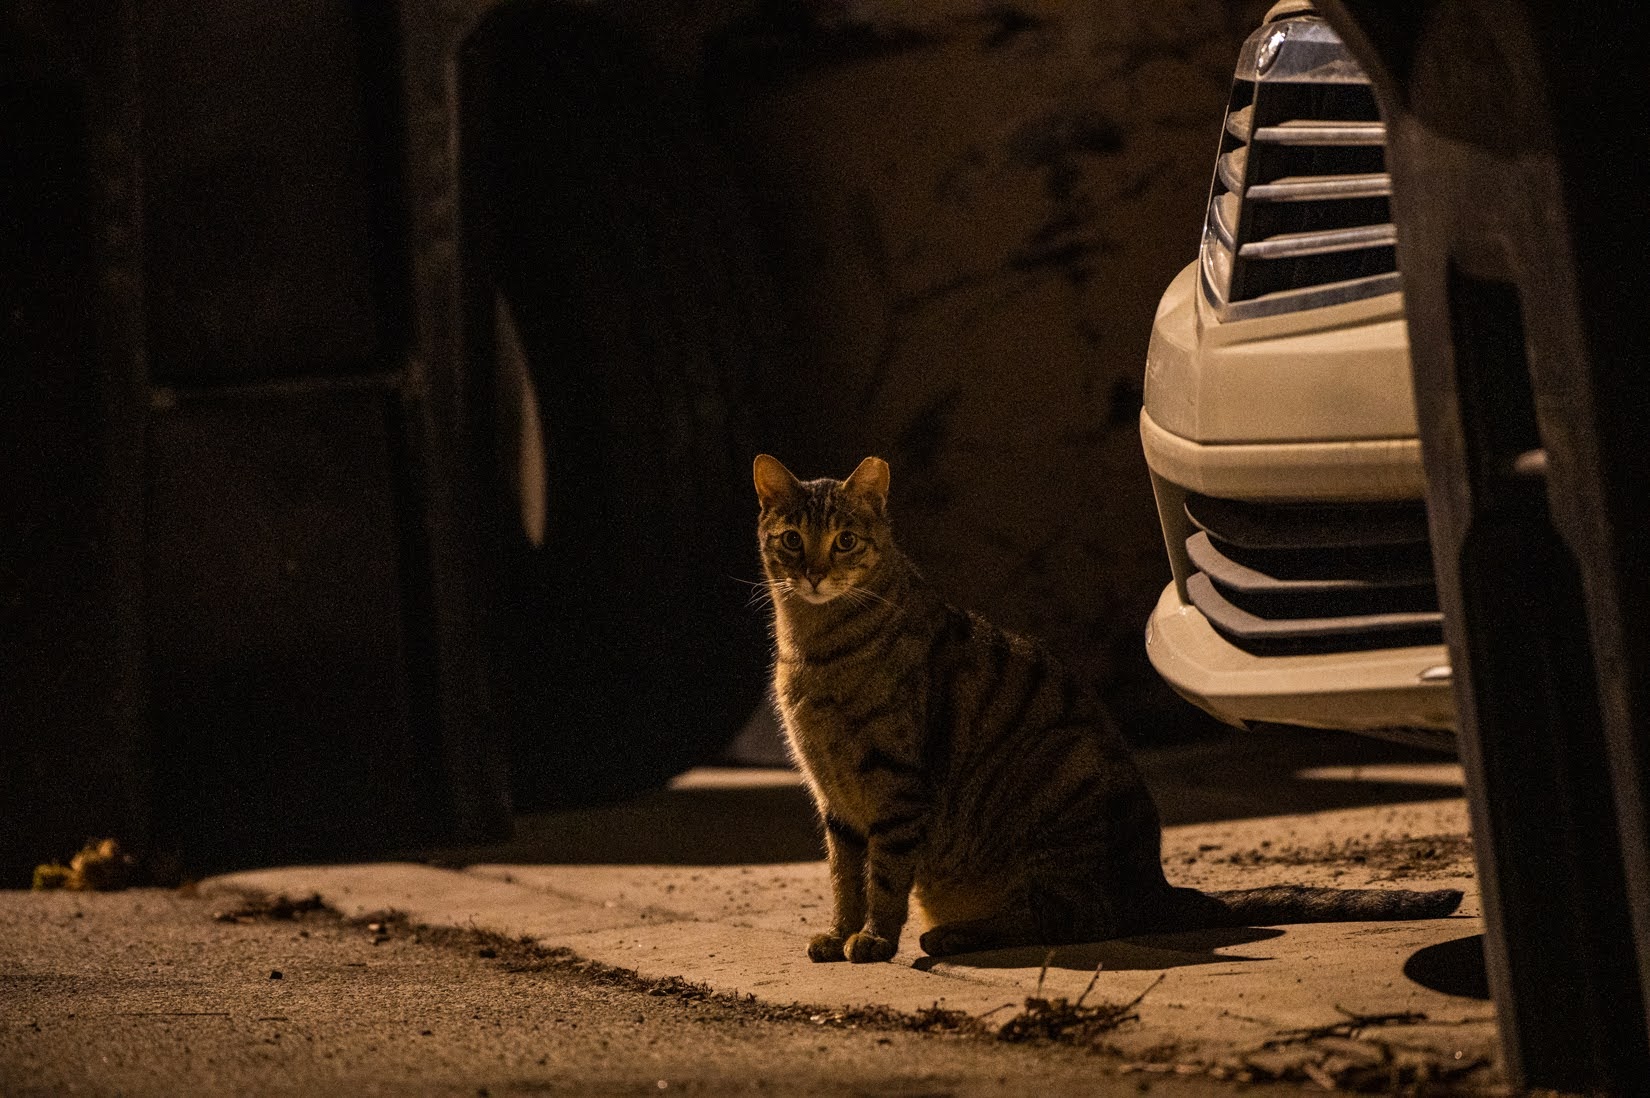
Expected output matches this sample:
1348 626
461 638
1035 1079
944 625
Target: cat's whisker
761 593
874 597
861 596
775 589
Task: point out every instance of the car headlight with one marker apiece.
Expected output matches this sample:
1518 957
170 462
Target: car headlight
1300 209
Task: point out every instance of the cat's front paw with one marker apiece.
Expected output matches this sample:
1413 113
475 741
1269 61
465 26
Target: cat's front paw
866 947
826 947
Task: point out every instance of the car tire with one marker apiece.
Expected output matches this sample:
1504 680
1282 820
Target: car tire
630 316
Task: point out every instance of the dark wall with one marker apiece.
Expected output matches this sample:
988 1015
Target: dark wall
233 487
973 214
248 379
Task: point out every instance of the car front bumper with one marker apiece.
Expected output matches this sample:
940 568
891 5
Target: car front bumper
1212 429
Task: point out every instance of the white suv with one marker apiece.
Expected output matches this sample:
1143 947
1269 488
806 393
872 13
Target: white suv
1279 421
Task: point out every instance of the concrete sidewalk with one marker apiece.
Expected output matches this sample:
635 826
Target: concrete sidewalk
1213 999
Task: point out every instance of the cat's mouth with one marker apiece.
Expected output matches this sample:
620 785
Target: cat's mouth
826 589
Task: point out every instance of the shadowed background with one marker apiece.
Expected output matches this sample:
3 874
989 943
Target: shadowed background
285 284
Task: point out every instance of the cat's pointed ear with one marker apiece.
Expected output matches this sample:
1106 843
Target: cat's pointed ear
870 482
775 486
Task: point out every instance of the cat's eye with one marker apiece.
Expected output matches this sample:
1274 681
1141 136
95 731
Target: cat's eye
791 540
846 541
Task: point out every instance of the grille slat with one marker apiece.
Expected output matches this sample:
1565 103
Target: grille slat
1312 188
1309 526
1288 245
1290 577
1301 635
1301 132
1301 196
1256 579
1222 218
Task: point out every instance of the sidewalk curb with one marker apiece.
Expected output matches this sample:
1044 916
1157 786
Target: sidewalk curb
743 930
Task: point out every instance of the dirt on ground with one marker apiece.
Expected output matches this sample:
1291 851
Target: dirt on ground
151 992
1390 858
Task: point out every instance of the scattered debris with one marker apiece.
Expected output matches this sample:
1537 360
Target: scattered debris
1069 1022
100 866
1350 1027
50 875
524 955
675 987
266 907
1340 1056
929 1019
1376 1067
1399 857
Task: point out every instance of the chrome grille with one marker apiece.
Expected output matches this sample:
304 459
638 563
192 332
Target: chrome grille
1300 209
1277 578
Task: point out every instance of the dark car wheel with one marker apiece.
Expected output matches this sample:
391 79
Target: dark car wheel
630 315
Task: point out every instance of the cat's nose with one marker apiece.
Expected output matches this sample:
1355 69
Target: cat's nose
814 578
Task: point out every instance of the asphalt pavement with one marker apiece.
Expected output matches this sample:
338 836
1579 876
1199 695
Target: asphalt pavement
716 883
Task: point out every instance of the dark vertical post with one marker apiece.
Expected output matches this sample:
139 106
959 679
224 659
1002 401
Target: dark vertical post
73 387
1516 137
242 619
449 395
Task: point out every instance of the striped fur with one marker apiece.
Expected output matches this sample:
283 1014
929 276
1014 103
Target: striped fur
963 764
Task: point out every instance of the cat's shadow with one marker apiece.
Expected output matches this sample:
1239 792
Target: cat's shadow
1144 952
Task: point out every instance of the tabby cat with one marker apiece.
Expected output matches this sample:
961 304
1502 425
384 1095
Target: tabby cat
961 761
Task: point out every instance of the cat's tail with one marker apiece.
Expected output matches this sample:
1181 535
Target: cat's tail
1194 910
